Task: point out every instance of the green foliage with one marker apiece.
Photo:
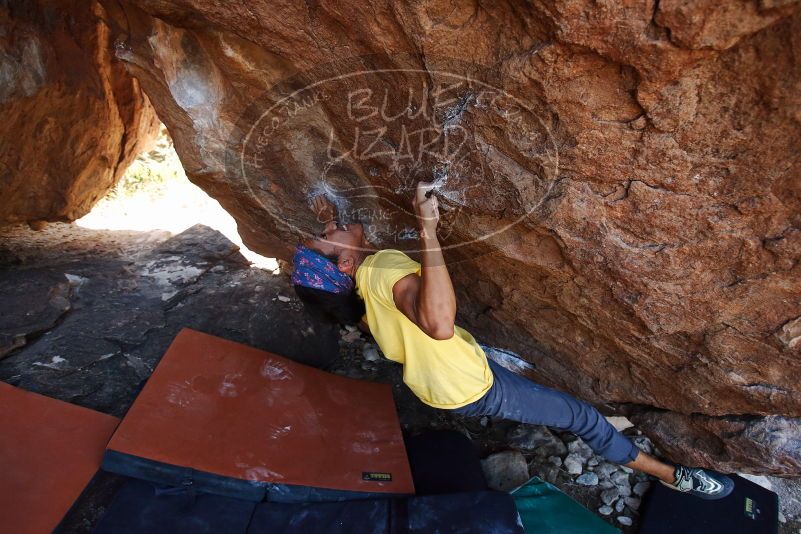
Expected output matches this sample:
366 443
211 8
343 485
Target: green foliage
145 176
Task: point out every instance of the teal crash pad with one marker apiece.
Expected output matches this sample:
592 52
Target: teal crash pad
544 510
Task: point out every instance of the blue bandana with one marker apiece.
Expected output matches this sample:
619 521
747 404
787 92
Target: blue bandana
317 272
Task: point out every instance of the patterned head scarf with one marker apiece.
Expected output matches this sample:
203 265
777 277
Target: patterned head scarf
314 270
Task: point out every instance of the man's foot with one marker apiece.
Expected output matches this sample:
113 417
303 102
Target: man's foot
702 483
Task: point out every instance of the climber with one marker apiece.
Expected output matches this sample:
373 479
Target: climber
410 311
326 292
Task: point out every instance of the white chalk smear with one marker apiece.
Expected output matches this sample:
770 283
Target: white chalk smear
54 363
274 371
507 359
177 394
227 387
277 432
258 474
364 448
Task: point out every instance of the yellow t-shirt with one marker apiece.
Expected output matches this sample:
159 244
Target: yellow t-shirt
446 373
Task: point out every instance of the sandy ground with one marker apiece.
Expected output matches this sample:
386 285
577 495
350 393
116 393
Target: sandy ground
155 194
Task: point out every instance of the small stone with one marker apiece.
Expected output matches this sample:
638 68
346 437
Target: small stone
555 460
282 298
552 474
782 519
605 510
644 444
484 421
619 478
625 469
537 439
641 487
370 353
588 479
620 505
578 447
625 520
351 328
505 470
606 469
620 423
633 503
609 496
574 464
351 336
592 462
606 484
625 490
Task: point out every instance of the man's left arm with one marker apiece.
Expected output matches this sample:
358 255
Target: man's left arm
428 300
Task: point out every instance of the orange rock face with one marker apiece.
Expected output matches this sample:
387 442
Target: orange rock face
621 191
620 181
73 119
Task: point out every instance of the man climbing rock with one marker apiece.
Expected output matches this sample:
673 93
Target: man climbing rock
411 311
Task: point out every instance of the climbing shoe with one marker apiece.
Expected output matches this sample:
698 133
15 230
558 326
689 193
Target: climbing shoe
702 483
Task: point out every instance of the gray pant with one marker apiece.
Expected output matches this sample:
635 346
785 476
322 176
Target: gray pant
519 399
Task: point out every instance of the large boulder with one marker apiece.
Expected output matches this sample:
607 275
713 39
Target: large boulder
73 118
619 180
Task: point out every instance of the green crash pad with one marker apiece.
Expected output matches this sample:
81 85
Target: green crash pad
544 509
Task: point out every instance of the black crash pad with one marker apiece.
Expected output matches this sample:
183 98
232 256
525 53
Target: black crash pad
144 508
750 508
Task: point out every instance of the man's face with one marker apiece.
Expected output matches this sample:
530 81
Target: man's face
344 241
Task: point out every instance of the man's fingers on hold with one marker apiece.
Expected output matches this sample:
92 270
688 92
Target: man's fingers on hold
422 189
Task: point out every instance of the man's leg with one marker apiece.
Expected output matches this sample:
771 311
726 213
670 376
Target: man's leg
648 464
516 398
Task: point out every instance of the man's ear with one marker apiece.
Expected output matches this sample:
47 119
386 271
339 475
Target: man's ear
345 264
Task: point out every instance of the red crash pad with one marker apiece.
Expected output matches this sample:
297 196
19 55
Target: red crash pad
224 408
49 450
